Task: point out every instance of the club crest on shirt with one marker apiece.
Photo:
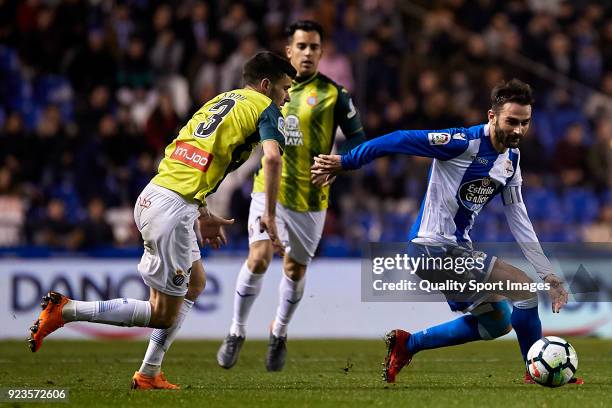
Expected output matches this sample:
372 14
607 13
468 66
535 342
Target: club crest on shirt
312 99
179 278
508 168
437 139
293 134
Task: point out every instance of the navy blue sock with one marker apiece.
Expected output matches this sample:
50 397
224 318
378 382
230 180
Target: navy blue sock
528 328
458 331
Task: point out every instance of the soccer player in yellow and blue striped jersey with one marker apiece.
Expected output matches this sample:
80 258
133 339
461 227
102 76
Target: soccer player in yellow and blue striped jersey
215 141
318 106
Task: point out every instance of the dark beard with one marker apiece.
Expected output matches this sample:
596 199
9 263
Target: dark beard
504 138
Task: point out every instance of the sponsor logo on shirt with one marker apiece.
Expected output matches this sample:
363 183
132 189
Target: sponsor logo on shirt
293 134
436 139
192 156
474 194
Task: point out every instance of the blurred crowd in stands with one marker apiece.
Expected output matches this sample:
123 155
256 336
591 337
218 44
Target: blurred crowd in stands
92 91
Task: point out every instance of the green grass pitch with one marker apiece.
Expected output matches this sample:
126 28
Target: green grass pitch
318 373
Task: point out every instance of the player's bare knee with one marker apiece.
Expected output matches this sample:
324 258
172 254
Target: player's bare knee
258 261
160 319
294 270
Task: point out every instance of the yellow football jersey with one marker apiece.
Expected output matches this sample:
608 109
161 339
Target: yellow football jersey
318 106
216 141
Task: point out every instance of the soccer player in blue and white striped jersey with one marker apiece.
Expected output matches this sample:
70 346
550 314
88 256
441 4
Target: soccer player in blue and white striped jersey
470 167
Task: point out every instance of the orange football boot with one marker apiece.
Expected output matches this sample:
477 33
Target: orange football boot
49 320
397 354
159 382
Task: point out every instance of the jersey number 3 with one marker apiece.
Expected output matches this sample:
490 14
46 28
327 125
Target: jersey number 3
218 112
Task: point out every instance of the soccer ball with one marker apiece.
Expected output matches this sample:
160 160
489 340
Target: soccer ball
552 361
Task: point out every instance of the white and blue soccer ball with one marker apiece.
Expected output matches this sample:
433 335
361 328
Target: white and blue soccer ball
552 361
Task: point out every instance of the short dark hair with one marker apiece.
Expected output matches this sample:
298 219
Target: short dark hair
304 25
514 90
266 64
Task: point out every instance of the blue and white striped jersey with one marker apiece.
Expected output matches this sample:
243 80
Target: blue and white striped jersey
466 173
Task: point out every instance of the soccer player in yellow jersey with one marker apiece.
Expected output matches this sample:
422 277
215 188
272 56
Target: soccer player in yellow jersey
318 106
215 141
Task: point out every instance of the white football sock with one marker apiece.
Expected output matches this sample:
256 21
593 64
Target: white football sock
160 342
248 286
290 293
117 312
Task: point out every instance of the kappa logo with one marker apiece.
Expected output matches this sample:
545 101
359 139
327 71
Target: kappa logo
192 156
480 160
437 139
352 111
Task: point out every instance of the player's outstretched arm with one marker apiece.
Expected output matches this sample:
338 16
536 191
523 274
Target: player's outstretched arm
272 165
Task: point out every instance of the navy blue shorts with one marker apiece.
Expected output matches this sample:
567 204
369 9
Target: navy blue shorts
478 270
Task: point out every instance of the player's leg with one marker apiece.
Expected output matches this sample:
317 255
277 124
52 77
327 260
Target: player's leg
291 290
149 375
486 321
304 233
249 282
525 317
59 310
248 287
171 265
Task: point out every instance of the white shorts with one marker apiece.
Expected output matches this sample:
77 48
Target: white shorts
166 222
300 232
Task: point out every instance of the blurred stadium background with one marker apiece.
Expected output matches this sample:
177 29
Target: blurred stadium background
92 91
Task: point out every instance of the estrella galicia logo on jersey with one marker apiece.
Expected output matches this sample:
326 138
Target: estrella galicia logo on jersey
293 134
179 278
474 194
436 139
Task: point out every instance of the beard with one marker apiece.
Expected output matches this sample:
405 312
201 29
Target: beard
508 139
